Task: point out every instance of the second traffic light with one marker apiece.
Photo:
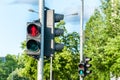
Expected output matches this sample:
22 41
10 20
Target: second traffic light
33 38
81 69
84 67
50 46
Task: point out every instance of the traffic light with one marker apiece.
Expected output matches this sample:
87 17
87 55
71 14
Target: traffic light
84 67
33 38
81 69
87 65
51 32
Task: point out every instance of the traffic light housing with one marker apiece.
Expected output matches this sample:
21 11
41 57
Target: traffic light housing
87 65
33 38
51 32
84 67
81 69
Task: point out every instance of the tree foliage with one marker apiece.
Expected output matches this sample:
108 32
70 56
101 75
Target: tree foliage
7 66
102 39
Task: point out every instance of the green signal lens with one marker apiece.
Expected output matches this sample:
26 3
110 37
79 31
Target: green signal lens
81 72
33 45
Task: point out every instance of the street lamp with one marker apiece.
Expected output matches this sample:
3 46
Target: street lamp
76 13
31 10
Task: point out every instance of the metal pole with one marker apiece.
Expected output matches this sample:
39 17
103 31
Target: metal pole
51 66
41 59
81 32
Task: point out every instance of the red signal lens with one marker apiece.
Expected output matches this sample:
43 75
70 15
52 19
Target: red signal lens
33 30
81 66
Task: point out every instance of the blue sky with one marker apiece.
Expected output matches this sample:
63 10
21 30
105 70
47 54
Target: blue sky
14 14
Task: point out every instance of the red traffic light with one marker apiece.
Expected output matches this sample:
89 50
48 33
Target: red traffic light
33 30
33 38
81 66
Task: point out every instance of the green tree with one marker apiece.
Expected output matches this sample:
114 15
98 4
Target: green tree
7 66
102 30
28 66
65 65
15 75
112 51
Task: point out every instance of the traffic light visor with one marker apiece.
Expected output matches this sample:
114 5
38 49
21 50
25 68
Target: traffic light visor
33 45
33 30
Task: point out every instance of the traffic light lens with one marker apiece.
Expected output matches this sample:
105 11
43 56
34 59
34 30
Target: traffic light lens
81 66
33 30
33 45
59 47
81 72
